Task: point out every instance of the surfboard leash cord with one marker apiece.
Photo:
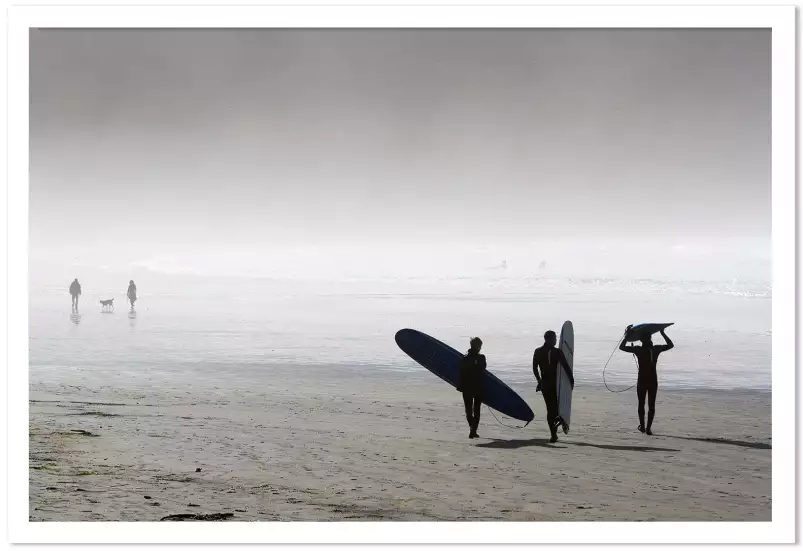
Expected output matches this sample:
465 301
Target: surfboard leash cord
606 367
501 423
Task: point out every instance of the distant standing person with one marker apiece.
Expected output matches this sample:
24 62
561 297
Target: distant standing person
647 383
546 359
472 371
132 293
75 292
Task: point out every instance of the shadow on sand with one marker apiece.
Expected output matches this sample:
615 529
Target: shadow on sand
740 443
513 444
544 443
625 448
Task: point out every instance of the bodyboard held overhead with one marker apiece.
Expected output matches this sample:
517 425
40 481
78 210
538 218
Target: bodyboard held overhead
641 330
444 361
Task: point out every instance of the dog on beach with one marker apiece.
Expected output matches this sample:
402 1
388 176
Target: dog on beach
107 305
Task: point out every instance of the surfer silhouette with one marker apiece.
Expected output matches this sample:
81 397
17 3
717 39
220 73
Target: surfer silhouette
472 371
647 384
546 358
75 292
132 293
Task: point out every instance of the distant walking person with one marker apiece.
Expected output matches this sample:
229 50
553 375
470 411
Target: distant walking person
132 293
472 371
75 292
647 383
547 359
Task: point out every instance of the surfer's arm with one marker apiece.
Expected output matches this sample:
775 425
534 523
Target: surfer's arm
461 369
669 344
535 367
625 348
566 367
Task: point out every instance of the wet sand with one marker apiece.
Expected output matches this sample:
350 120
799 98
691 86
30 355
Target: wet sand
341 445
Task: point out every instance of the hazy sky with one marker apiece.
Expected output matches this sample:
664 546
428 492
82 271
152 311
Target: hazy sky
163 138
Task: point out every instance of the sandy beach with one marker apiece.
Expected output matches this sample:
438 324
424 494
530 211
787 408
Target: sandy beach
285 200
349 444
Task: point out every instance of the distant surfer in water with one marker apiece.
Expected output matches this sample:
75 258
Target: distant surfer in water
547 359
75 292
132 293
647 384
472 371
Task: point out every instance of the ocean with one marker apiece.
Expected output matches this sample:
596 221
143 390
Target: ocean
223 332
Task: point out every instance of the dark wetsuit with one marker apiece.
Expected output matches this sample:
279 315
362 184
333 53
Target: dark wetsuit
547 359
472 371
647 384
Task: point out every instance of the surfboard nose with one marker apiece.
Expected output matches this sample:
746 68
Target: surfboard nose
404 335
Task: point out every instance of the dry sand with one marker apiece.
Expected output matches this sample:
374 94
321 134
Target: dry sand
327 445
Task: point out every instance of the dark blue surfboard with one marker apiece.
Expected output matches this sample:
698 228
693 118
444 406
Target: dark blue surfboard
444 361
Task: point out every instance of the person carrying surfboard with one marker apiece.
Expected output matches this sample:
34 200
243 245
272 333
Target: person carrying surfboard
647 383
546 358
472 370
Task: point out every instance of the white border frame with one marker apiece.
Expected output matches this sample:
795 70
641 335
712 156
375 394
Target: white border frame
781 19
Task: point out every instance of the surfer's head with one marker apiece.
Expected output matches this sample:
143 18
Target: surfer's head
550 338
646 341
476 344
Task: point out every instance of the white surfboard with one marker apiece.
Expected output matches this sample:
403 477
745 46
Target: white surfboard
566 344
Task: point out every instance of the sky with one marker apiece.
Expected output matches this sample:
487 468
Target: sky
169 144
